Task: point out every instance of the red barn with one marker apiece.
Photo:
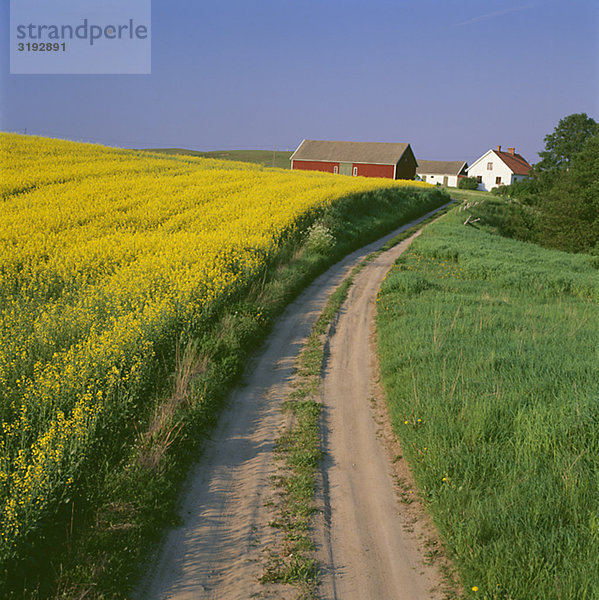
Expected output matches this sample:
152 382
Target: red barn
368 159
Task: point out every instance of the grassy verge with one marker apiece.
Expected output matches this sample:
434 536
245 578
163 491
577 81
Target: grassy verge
103 531
488 352
299 453
299 448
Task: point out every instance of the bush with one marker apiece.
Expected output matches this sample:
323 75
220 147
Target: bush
527 190
468 183
320 239
508 218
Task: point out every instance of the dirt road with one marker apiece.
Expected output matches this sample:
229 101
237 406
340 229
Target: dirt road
365 547
370 552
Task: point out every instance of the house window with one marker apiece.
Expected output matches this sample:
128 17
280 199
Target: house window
423 177
355 171
336 169
489 166
479 178
498 180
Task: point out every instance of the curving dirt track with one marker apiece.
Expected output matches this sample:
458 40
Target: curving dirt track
372 544
369 544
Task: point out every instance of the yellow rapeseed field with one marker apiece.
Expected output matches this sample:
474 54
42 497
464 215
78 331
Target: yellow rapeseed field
102 253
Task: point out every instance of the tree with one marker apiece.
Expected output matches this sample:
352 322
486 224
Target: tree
570 210
567 140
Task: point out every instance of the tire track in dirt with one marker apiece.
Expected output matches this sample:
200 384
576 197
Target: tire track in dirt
371 543
220 548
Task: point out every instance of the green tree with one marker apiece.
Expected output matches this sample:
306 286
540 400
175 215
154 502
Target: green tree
567 139
570 210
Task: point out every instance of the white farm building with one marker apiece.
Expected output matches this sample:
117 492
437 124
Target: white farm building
444 172
495 168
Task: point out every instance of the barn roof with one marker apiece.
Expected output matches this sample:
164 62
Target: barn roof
380 153
440 167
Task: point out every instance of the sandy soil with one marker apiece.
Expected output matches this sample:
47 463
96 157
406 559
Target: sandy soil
369 544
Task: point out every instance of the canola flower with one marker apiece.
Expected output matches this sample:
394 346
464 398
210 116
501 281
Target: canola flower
34 473
103 254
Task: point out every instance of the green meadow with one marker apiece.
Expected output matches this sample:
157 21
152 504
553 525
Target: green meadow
266 158
489 357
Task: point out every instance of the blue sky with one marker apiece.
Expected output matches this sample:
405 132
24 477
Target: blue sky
452 78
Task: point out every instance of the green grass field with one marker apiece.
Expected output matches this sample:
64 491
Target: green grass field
467 195
266 158
489 358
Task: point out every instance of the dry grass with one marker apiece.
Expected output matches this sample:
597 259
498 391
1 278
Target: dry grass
165 426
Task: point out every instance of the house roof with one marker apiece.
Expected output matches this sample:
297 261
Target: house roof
515 162
380 153
441 167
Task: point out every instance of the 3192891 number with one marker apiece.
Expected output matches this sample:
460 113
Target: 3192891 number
42 47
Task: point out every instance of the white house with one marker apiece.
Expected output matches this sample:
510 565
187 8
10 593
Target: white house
497 168
445 172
